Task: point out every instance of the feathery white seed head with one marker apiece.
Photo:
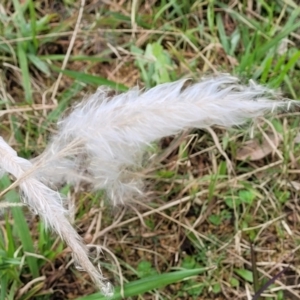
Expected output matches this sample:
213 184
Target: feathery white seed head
111 132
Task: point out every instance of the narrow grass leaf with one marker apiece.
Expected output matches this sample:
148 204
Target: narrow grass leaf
240 18
147 284
10 247
162 10
39 64
280 63
248 58
33 29
92 79
24 235
18 135
276 40
22 229
266 66
287 67
211 16
19 15
61 57
234 41
4 284
290 87
6 263
22 58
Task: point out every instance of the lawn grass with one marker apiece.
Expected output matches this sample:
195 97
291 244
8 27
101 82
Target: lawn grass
227 226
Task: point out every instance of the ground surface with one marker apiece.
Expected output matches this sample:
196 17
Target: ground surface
200 213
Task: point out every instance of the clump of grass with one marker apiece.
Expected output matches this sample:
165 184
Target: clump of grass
104 138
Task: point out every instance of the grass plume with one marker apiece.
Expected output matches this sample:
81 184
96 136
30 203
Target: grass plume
109 134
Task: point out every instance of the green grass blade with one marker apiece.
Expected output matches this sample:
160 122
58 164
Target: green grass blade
91 58
21 50
24 234
22 229
222 34
9 236
147 284
266 67
276 40
33 24
92 79
4 283
40 64
287 67
25 72
19 13
290 87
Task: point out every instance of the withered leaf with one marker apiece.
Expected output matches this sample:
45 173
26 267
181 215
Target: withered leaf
255 149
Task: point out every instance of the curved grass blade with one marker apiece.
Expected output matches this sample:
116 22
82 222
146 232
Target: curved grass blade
147 284
92 79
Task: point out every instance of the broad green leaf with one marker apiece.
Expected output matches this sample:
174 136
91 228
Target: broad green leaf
245 274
